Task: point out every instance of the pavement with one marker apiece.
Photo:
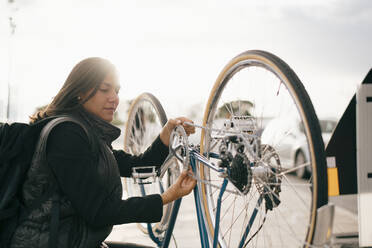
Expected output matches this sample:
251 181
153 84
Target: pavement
186 232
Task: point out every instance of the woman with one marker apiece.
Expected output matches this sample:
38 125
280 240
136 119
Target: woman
88 173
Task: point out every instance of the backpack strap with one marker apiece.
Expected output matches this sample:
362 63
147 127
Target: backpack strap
41 145
53 191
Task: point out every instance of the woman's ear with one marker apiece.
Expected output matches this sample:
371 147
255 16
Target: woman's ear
83 96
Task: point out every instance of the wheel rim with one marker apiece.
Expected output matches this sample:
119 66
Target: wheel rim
248 78
146 118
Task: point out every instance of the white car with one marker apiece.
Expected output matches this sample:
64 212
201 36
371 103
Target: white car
287 137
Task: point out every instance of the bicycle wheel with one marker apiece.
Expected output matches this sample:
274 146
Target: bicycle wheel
257 114
146 117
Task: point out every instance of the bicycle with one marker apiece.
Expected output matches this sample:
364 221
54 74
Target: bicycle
247 194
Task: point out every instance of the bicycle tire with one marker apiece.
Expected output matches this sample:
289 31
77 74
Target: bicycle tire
266 64
146 108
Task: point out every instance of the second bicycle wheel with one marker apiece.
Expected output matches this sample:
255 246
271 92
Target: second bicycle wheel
257 118
146 117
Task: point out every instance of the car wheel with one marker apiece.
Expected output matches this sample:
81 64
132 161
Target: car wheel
300 160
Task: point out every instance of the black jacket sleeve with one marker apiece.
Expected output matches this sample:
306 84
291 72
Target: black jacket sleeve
153 156
75 168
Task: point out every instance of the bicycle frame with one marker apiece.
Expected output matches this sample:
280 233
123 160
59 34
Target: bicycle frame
195 159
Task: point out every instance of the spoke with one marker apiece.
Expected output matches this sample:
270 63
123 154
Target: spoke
260 222
287 133
310 178
280 227
232 218
226 106
240 213
140 119
240 113
280 83
208 183
226 198
298 195
293 184
232 109
135 144
214 191
280 102
230 227
213 145
289 227
263 96
293 169
263 230
277 225
245 221
214 180
266 155
277 196
226 211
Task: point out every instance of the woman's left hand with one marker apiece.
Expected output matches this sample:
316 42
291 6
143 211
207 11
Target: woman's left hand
183 186
171 124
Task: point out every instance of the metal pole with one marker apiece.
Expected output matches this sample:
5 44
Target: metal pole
12 26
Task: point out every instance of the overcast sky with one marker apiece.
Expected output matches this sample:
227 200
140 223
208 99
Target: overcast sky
176 48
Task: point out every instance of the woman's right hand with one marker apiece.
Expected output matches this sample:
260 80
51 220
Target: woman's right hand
183 186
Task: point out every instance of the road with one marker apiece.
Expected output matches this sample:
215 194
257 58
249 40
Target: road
186 232
186 229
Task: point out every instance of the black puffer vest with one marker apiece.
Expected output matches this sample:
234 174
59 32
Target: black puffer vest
73 231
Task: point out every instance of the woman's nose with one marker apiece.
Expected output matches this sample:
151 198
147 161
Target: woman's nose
113 97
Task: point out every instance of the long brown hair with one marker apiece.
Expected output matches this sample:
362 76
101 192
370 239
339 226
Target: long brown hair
86 76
